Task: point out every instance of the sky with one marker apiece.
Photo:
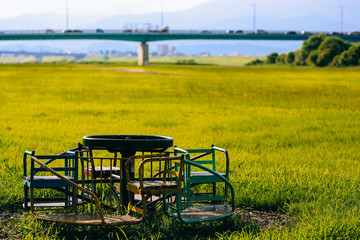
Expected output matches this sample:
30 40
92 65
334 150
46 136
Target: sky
105 8
84 12
92 8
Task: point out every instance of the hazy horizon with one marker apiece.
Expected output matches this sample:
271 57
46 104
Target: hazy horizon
93 10
309 15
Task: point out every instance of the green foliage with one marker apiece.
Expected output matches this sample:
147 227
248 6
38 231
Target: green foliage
290 58
281 59
351 57
271 58
186 62
312 58
329 48
308 46
255 62
313 43
320 51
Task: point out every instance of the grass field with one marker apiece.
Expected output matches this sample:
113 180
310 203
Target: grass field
16 59
293 135
223 61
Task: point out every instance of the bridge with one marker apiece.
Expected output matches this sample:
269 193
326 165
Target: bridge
143 37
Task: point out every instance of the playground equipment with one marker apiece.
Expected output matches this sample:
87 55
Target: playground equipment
201 199
195 178
170 183
93 185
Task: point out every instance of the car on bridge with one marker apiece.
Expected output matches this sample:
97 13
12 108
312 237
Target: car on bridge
354 33
306 33
165 29
290 33
232 31
71 31
260 31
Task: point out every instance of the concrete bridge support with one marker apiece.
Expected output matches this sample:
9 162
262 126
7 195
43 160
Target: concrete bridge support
143 54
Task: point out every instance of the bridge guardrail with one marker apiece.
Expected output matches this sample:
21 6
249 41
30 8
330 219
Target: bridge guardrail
176 31
144 36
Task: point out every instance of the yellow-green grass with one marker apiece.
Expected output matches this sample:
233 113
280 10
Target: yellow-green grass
57 58
222 61
292 132
16 59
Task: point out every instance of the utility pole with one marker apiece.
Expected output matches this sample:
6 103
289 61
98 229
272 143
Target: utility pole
342 18
67 16
162 15
254 20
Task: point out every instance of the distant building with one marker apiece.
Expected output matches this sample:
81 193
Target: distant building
165 50
172 51
162 50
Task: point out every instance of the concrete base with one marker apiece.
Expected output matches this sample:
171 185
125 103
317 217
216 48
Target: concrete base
143 54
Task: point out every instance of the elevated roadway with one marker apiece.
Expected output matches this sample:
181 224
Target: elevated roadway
150 36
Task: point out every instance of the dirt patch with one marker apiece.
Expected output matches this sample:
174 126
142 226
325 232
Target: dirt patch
266 220
5 216
6 230
134 71
262 219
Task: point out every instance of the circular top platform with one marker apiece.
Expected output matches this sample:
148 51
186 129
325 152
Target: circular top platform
128 143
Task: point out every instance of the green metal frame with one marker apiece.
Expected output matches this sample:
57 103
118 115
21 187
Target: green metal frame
195 178
176 208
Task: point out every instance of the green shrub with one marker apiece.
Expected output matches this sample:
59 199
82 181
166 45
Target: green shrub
336 62
255 62
329 48
308 46
312 58
290 58
351 57
281 59
271 58
186 62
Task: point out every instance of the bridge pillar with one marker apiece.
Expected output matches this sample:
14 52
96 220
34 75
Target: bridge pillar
143 54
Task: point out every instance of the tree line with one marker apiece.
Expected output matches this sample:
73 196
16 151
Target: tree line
319 51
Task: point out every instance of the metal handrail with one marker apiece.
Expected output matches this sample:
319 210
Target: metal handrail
225 180
167 170
132 159
227 158
74 185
